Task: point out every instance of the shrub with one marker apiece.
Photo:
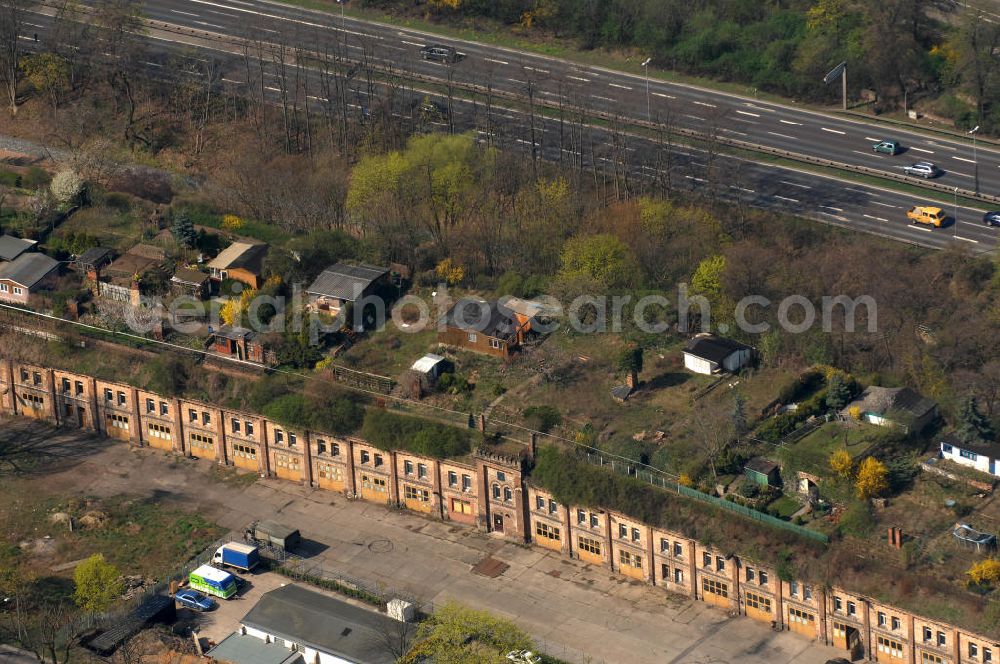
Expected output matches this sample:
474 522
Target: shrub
857 520
10 179
841 464
749 490
543 418
36 177
872 480
453 383
390 431
985 572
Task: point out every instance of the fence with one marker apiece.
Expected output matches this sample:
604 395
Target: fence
660 479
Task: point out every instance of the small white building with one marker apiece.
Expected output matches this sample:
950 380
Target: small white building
432 366
981 456
708 354
295 625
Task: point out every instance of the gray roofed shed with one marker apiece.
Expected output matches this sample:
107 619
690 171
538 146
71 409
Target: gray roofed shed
28 269
346 282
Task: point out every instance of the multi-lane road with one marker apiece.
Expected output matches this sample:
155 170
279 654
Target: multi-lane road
554 81
605 90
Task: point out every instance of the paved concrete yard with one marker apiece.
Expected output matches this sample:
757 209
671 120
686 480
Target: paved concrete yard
576 612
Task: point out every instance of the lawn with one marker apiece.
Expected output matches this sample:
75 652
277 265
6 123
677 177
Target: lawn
784 507
812 453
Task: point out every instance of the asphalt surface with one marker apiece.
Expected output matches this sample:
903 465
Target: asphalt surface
559 81
824 198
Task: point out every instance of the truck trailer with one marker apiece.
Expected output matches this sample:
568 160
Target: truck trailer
272 533
213 581
243 557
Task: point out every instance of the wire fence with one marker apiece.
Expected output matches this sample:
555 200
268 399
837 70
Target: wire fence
659 479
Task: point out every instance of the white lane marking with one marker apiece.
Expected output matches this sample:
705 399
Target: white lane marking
540 71
577 78
753 115
210 25
795 184
694 117
620 87
602 98
499 62
749 191
761 108
835 216
872 154
691 177
551 94
660 94
885 204
317 98
177 11
784 198
963 159
967 239
515 80
859 191
704 103
153 64
409 43
921 228
229 80
875 140
922 150
964 175
789 122
875 218
833 131
733 131
830 207
774 133
753 122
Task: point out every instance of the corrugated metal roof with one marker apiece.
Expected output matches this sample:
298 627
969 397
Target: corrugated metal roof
11 247
186 275
346 282
427 363
28 269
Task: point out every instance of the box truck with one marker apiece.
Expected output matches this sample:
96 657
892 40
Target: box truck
213 581
239 556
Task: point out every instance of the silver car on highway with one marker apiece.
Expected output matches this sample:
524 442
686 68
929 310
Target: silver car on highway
924 169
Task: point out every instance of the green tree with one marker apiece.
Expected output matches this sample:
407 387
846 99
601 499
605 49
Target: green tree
707 278
183 230
98 584
973 427
456 634
602 260
48 74
837 392
739 414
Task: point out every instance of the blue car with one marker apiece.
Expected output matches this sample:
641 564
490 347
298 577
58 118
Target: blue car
193 599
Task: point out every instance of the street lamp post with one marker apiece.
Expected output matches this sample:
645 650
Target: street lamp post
975 157
645 67
954 227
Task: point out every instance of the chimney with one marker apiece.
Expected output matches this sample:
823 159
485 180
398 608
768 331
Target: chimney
632 380
533 445
481 423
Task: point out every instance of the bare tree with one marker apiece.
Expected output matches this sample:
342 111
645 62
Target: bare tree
12 19
713 432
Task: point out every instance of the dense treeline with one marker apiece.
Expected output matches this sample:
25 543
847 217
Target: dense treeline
891 46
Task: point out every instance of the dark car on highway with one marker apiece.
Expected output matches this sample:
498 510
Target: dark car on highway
193 599
440 53
992 218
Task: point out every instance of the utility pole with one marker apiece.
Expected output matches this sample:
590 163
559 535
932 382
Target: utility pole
843 89
645 66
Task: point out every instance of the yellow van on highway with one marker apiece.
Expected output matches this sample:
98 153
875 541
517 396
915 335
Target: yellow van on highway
932 216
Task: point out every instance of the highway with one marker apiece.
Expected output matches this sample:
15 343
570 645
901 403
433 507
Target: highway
556 81
824 198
